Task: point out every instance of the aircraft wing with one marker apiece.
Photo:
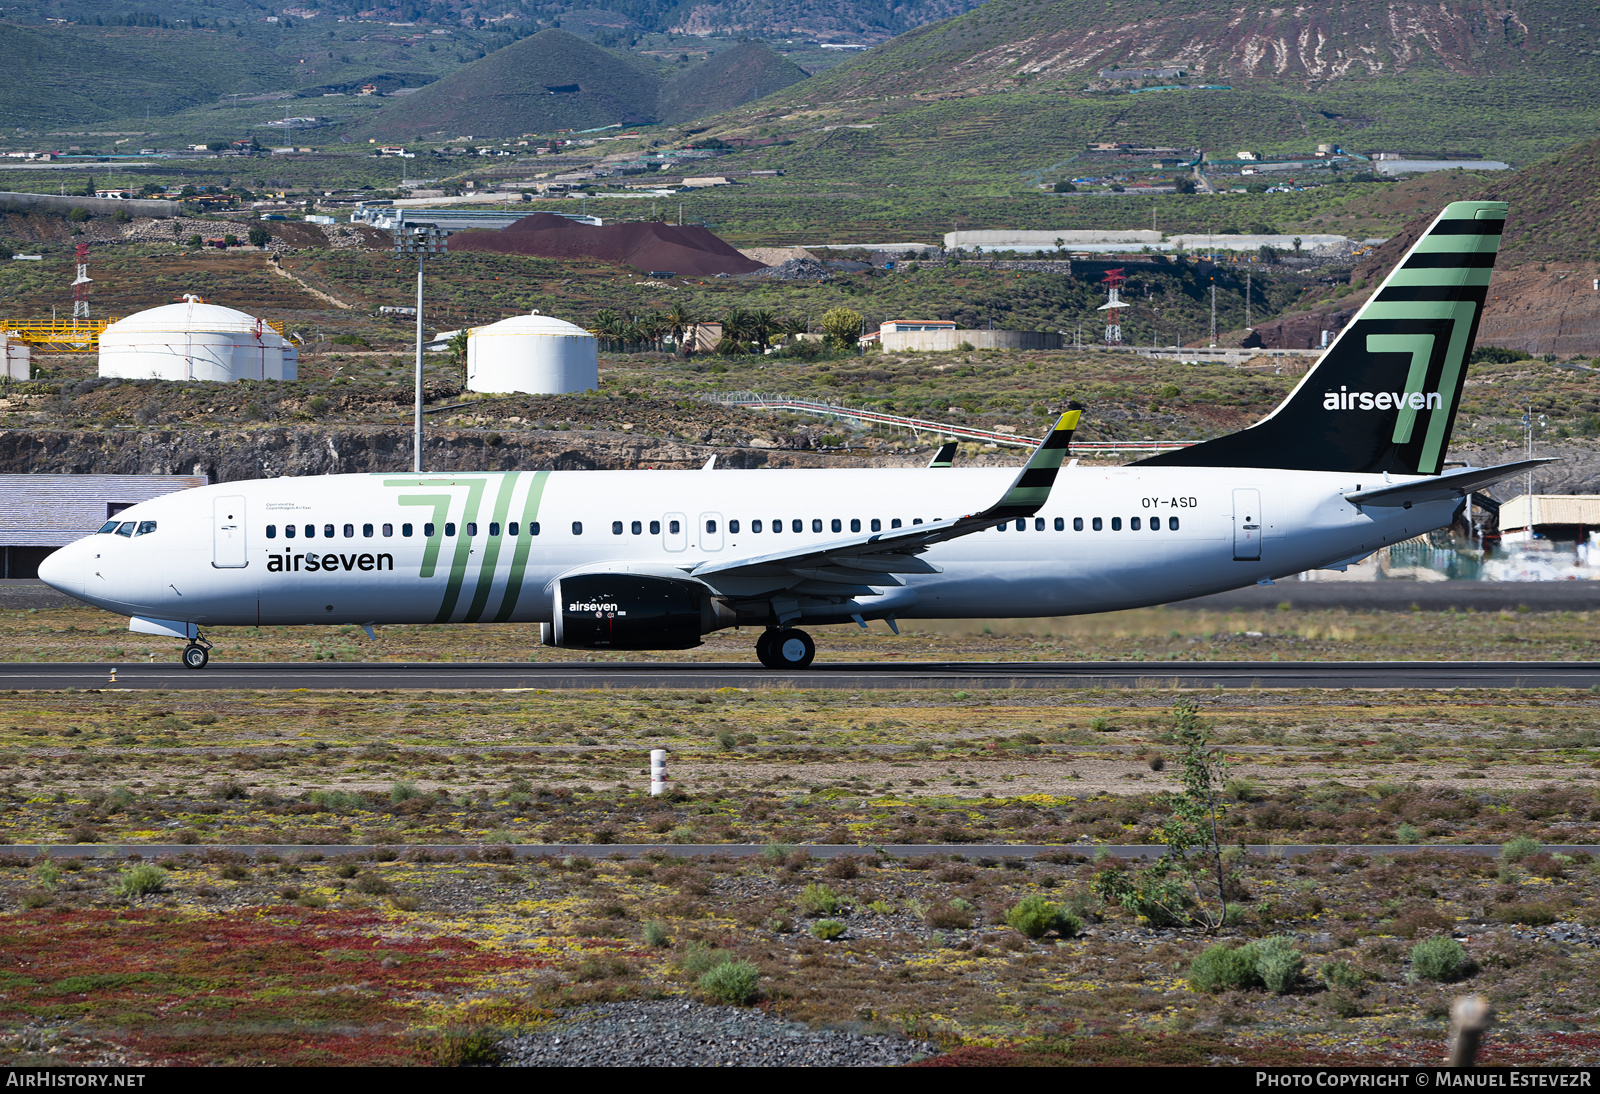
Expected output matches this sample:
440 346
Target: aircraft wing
852 565
1451 484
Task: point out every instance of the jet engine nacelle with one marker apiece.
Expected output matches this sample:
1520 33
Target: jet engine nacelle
631 612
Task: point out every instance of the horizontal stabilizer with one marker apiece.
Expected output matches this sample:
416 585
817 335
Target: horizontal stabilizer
1445 487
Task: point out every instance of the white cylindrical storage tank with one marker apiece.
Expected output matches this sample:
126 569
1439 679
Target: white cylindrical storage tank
190 341
291 361
537 354
18 356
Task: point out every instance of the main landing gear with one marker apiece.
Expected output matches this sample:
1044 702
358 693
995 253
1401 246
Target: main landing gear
197 653
785 649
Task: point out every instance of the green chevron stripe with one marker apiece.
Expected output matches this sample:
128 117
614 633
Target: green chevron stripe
519 557
441 509
1438 277
491 548
1455 359
458 564
1458 244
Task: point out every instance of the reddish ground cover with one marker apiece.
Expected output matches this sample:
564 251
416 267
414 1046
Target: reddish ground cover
685 250
277 985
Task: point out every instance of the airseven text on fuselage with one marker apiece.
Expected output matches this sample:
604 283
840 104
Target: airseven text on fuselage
1344 399
286 562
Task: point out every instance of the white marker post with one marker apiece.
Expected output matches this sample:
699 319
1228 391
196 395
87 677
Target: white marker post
658 772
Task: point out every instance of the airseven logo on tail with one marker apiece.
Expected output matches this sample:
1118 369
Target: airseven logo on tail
1345 399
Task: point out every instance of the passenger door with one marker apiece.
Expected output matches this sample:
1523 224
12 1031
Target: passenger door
711 531
674 531
1247 525
227 543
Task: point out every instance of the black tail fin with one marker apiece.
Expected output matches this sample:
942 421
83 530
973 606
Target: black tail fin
1384 395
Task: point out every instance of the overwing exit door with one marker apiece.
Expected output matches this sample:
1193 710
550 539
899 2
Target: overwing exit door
1247 525
227 543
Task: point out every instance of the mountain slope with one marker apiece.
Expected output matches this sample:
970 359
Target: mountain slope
738 75
553 80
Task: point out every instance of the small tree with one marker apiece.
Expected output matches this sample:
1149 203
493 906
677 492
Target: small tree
258 237
457 345
842 326
1178 884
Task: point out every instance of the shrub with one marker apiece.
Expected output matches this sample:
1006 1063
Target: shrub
1440 959
827 929
732 983
655 934
817 900
466 1046
1036 917
1531 915
258 237
78 214
1271 963
1520 848
1340 974
844 867
141 881
403 791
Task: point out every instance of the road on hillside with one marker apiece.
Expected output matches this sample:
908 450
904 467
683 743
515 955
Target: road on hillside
836 675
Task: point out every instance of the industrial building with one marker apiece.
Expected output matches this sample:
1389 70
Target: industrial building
1549 516
17 355
39 513
536 354
194 340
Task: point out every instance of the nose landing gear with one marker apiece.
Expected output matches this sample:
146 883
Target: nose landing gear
785 649
197 653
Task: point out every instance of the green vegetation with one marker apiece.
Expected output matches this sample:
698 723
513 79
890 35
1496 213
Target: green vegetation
1270 963
826 930
141 880
1439 958
1036 917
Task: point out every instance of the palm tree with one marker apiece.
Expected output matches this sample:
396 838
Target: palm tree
763 325
736 330
682 322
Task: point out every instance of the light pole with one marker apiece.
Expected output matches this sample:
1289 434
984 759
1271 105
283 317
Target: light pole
421 242
1528 424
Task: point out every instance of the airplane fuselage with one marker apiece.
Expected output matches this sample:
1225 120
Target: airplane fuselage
487 547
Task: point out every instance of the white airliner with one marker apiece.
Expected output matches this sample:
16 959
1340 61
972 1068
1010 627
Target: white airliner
1352 460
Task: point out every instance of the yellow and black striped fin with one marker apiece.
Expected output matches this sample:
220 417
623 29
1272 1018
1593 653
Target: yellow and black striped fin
945 456
1032 487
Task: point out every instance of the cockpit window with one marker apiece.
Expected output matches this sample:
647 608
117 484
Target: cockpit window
108 526
145 527
125 528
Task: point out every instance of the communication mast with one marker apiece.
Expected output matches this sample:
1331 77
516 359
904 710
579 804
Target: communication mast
1114 304
80 287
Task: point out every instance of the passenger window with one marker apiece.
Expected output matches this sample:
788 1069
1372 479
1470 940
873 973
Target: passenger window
916 520
1077 524
327 531
1116 524
1172 524
311 531
494 528
577 527
366 530
636 528
511 529
733 527
1133 524
427 529
272 531
616 527
877 525
895 523
855 524
107 527
388 531
470 528
1155 524
1061 524
777 526
797 526
1097 525
125 528
755 526
449 527
1038 524
405 530
1022 524
673 527
655 528
288 531
711 526
837 525
533 529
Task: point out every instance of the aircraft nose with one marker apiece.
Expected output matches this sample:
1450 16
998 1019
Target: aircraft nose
63 571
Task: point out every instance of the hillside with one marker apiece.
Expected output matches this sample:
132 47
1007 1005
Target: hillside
553 80
741 74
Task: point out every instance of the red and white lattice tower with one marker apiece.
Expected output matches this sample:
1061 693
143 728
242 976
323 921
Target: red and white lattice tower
1113 306
80 287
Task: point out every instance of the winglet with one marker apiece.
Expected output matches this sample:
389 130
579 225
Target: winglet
1032 487
945 456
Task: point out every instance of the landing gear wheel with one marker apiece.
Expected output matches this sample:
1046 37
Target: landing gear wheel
792 650
764 647
195 656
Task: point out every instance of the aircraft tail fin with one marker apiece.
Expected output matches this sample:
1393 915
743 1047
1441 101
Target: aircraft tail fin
1384 395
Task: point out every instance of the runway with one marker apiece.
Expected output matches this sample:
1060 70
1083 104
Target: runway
912 675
